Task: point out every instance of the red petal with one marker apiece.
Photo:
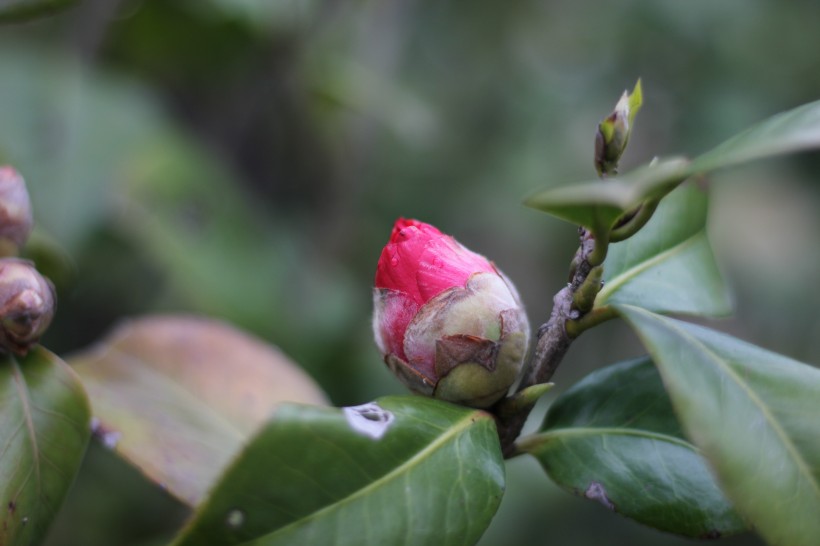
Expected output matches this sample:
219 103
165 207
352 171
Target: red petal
422 262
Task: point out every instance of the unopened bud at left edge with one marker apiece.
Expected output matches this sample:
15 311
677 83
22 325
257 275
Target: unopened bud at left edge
27 305
16 219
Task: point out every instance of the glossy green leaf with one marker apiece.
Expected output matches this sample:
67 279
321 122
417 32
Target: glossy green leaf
668 266
753 413
23 10
402 470
597 205
787 132
179 396
614 438
44 430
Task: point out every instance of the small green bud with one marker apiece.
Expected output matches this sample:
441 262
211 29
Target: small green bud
613 132
27 304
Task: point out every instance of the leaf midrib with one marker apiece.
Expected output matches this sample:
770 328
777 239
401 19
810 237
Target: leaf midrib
28 419
801 464
614 284
407 466
25 403
533 442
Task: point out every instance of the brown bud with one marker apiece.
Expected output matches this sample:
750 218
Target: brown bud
15 211
27 303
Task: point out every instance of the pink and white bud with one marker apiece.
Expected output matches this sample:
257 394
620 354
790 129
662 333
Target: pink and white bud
16 219
448 323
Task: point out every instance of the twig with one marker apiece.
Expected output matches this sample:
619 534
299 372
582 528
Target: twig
574 309
551 347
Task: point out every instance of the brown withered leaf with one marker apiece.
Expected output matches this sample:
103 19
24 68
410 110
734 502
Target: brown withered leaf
178 396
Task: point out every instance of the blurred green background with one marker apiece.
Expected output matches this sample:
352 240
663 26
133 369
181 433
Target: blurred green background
245 159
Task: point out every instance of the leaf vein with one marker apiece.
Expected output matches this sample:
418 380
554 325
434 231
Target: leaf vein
400 471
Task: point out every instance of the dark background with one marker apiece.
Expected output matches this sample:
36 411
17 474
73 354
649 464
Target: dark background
246 159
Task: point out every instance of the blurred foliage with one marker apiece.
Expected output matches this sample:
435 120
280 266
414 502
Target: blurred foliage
246 159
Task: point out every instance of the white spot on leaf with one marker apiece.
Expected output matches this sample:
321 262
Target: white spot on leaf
369 419
235 518
597 492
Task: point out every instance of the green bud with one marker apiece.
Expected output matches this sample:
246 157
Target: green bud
613 132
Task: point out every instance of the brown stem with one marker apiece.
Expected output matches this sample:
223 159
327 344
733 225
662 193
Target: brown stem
550 349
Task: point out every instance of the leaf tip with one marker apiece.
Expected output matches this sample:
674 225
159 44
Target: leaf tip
635 100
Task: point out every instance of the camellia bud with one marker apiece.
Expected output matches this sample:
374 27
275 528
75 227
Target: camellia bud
27 303
448 323
613 132
15 211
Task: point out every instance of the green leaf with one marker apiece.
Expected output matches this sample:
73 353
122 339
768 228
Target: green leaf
785 133
179 396
23 10
755 416
614 438
44 430
668 266
597 205
402 470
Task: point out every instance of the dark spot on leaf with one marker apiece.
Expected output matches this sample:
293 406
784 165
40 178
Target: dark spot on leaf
597 492
711 535
374 415
12 507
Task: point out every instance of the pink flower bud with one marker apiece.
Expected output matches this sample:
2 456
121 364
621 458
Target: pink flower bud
15 209
448 323
27 304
